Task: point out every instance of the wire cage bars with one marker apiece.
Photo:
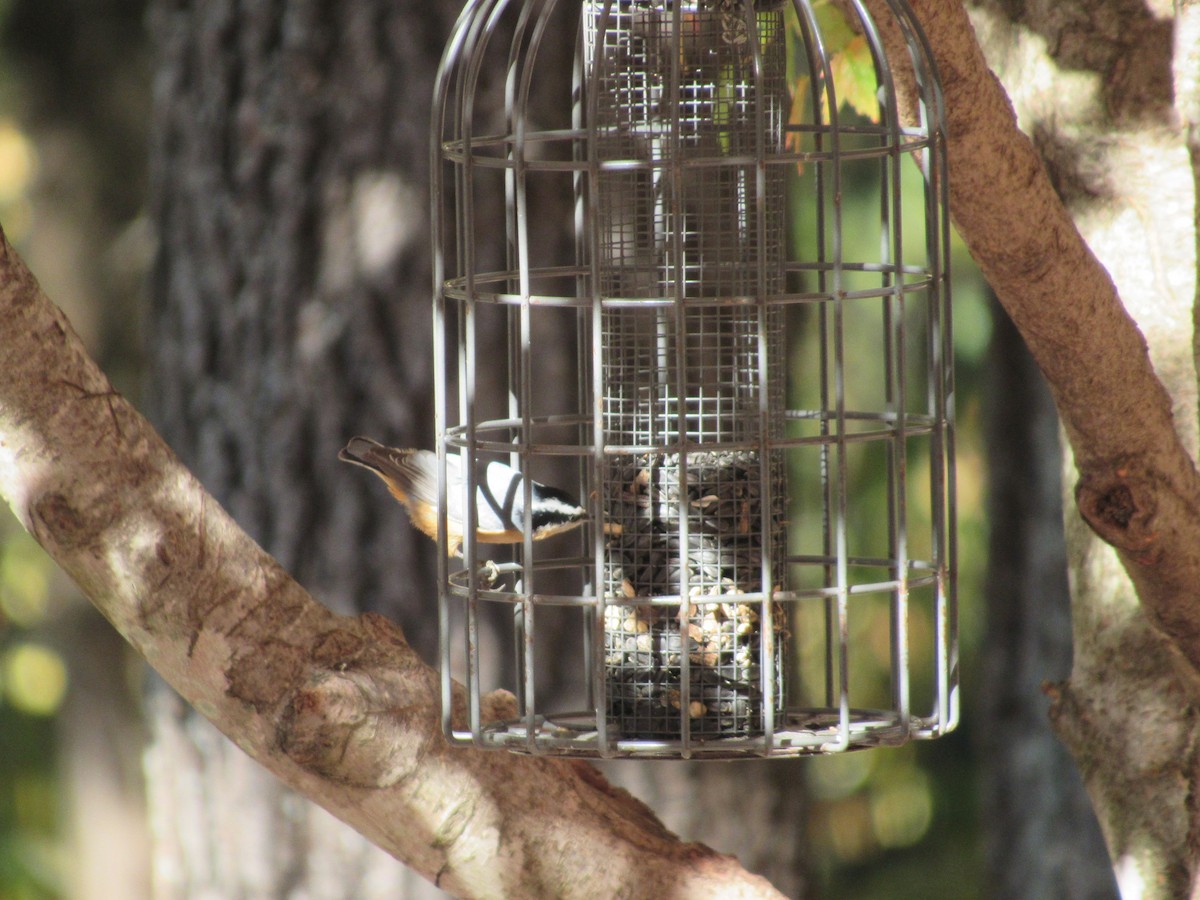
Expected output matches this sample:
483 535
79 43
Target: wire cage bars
677 278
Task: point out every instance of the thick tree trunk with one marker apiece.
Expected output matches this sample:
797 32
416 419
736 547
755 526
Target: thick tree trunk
289 311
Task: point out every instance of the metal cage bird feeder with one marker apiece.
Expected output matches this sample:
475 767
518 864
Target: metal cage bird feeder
753 283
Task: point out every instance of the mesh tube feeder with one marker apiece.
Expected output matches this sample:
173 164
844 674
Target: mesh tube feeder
754 281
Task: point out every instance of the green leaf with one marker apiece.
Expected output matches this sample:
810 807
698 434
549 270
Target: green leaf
854 76
833 25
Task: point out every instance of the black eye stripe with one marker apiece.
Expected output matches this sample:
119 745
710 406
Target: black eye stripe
551 506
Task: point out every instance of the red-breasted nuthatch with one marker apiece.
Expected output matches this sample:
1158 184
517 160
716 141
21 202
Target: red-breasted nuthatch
411 476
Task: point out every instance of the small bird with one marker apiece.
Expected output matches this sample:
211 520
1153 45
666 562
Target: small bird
411 476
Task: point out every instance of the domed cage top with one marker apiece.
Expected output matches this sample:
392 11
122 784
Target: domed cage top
677 277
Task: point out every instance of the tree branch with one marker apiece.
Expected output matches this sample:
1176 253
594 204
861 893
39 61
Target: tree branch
1138 487
339 708
1186 75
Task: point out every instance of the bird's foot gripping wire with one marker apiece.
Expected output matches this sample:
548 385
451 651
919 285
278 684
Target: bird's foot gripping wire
488 574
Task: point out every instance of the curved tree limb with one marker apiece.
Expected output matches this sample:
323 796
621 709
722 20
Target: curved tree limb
1138 486
339 708
1186 72
1127 712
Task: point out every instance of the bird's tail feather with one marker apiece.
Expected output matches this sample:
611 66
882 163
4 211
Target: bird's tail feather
398 468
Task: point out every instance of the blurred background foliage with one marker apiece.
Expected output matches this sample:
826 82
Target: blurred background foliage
904 822
74 102
75 82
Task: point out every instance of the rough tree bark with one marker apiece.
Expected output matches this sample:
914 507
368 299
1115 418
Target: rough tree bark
289 311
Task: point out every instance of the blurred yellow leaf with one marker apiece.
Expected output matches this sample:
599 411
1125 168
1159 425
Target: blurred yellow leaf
23 583
835 28
839 775
902 810
797 116
35 678
17 161
854 75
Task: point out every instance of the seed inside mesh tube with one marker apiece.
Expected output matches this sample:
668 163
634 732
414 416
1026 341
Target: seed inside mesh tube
722 638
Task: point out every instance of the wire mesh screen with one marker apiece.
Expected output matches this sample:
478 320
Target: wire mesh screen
686 92
760 422
699 93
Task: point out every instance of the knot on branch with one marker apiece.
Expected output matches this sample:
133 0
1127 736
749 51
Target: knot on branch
263 675
1119 502
343 727
368 714
55 517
